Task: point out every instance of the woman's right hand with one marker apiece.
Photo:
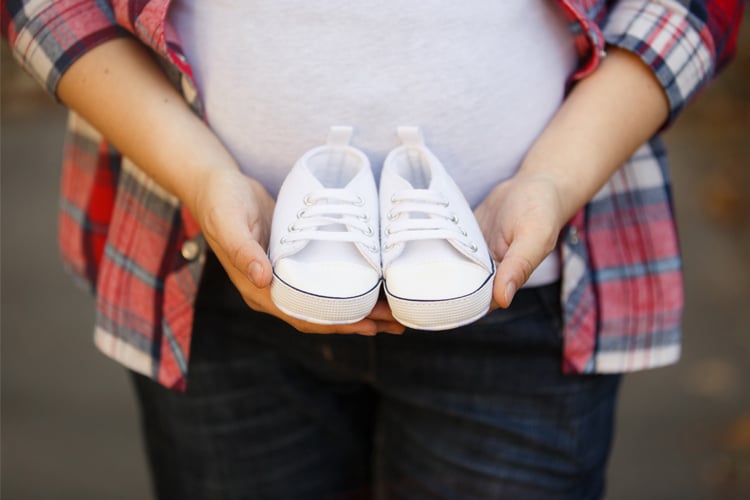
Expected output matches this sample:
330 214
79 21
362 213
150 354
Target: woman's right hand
235 213
116 85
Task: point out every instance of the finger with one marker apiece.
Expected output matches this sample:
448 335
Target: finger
363 327
524 254
254 260
383 317
233 241
381 312
392 327
493 305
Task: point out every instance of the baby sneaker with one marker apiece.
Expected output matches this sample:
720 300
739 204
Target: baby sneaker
324 247
437 269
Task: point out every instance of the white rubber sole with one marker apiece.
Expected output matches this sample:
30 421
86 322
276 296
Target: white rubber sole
442 314
321 309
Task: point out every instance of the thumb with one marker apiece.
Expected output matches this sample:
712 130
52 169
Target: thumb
252 260
234 243
524 254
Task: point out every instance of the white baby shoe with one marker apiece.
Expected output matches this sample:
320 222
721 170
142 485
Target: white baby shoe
437 270
324 246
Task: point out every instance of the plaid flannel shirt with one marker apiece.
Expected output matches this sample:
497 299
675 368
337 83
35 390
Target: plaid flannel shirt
142 254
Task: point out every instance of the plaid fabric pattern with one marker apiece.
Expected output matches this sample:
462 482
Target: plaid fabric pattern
122 235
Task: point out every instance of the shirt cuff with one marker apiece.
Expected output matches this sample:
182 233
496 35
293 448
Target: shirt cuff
47 37
673 42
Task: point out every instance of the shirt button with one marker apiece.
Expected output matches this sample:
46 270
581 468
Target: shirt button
188 89
573 238
190 250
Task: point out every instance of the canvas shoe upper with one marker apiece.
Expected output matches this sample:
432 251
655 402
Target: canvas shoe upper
437 270
324 245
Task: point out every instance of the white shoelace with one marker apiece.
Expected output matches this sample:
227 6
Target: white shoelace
429 218
331 215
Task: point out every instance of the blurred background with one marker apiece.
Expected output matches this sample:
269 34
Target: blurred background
69 424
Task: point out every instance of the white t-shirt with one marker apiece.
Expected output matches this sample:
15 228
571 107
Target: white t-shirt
481 78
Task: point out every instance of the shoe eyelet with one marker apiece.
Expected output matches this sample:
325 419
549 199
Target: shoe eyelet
463 231
394 200
359 202
454 219
388 247
473 247
388 231
364 218
302 214
368 232
292 228
283 240
393 215
307 200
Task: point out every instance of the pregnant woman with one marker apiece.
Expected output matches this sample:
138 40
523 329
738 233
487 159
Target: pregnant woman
186 116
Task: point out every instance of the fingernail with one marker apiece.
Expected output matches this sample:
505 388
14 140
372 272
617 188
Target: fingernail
256 272
510 291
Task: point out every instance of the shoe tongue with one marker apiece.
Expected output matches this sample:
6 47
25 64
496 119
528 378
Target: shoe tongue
312 182
402 184
354 179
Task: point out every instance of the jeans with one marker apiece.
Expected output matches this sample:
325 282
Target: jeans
478 412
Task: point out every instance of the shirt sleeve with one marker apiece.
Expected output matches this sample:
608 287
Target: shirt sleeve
684 42
48 36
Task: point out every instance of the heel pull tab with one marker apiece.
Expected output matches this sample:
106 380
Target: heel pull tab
339 135
411 136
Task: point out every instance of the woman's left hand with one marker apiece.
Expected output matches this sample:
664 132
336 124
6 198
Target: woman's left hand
521 219
600 124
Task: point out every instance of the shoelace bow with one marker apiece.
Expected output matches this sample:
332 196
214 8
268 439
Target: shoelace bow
324 214
430 218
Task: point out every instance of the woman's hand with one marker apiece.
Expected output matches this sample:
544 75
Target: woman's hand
521 219
235 213
120 90
601 123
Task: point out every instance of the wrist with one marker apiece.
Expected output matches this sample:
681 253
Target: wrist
601 123
196 165
567 191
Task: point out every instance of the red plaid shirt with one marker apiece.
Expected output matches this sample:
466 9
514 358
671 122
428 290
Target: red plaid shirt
142 254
